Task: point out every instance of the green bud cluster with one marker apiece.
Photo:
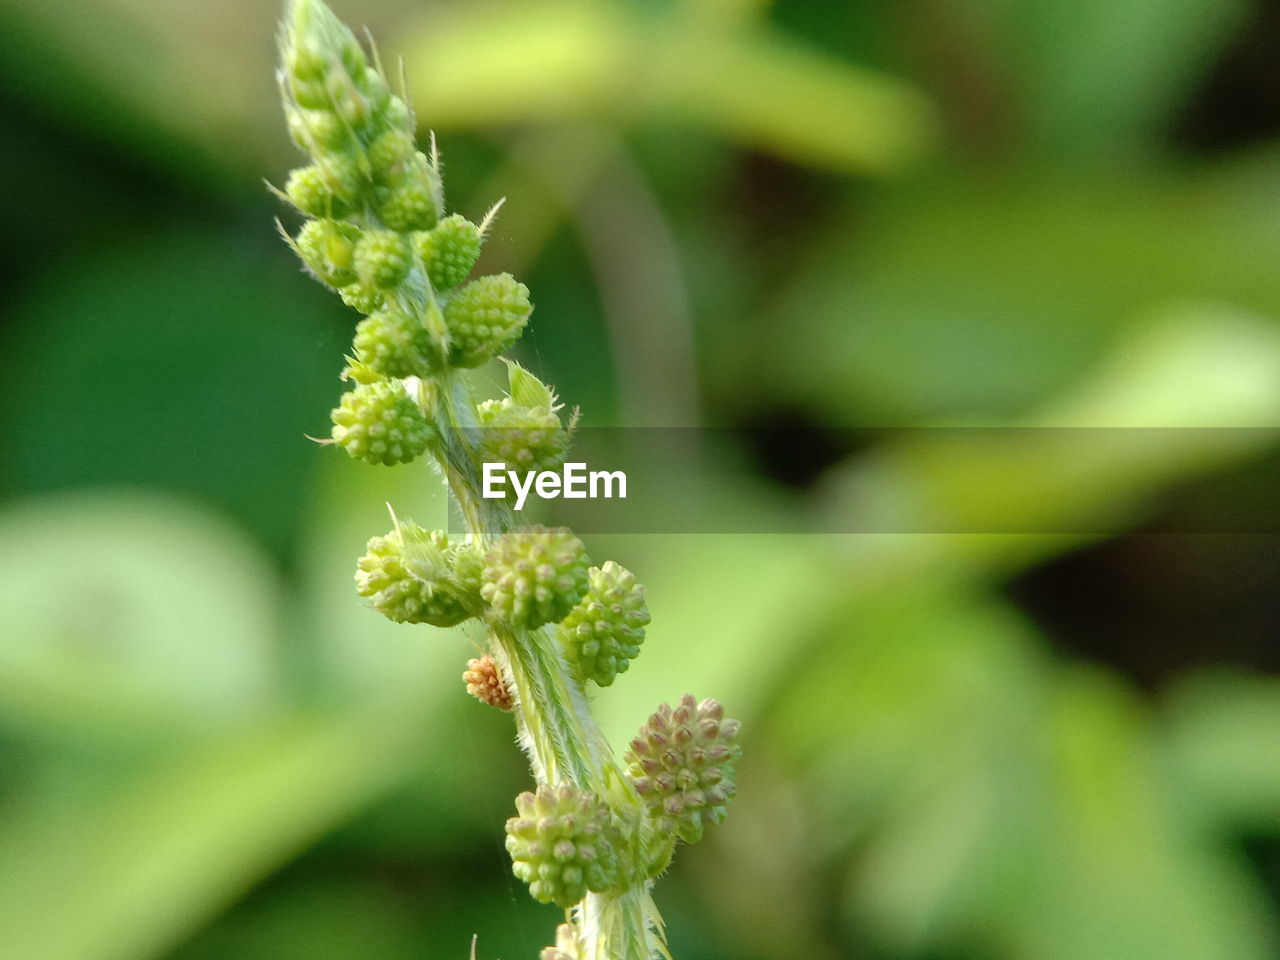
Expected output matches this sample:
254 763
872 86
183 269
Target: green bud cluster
603 633
484 318
449 251
520 438
393 344
414 575
522 431
380 423
341 111
534 576
375 231
375 235
682 764
560 844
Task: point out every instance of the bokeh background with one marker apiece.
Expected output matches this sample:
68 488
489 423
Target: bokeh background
817 224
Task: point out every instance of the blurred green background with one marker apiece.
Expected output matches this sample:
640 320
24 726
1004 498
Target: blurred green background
785 218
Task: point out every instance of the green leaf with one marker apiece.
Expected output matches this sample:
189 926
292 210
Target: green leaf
127 874
1225 745
177 362
121 610
1099 78
517 63
980 299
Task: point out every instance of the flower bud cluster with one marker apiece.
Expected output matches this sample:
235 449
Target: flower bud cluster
560 844
375 232
414 575
603 633
534 576
522 431
449 251
682 765
379 422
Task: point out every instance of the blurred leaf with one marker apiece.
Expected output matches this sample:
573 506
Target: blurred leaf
980 299
1225 746
188 363
1175 397
146 77
128 875
1103 77
1124 874
516 63
1000 806
121 609
317 919
729 611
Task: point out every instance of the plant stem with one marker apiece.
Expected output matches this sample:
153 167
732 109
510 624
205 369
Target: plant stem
553 718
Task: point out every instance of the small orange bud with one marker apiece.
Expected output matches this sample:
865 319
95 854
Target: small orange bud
484 682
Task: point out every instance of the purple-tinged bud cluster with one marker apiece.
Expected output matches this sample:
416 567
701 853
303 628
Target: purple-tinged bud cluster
682 764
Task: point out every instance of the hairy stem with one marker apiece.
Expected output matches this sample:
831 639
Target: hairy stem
553 718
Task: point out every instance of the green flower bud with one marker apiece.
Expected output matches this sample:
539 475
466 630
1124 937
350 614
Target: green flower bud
316 48
344 176
362 298
522 431
309 190
449 251
485 317
380 423
328 248
382 259
353 59
603 633
376 91
307 93
318 131
391 154
521 438
412 576
306 62
560 844
534 576
326 71
394 343
682 764
397 113
410 203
